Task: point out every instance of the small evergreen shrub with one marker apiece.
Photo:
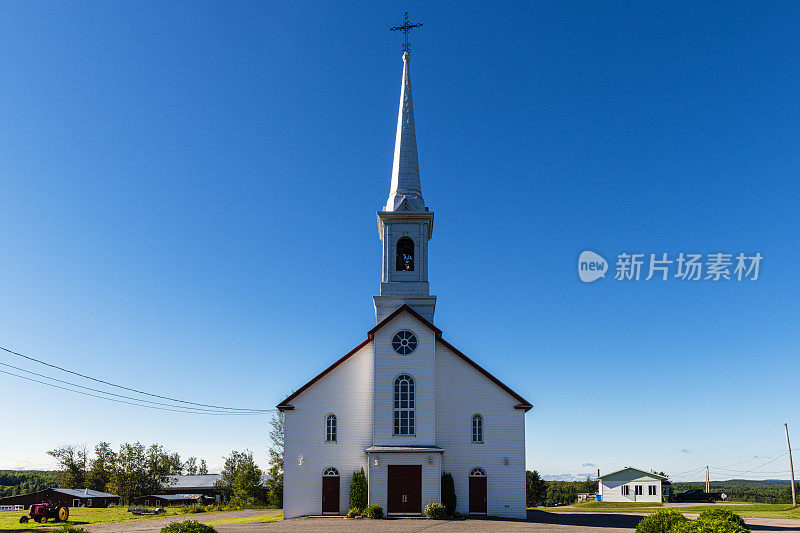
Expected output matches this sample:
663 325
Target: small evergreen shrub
188 526
436 511
373 510
358 490
663 522
449 494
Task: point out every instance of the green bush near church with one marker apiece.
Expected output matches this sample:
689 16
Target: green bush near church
449 498
373 510
358 491
436 511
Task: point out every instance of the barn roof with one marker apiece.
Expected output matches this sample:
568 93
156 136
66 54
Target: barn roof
173 497
199 481
523 403
85 493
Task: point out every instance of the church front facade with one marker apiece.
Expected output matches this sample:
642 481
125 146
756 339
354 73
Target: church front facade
405 405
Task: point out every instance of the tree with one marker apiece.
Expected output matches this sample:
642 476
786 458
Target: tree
72 460
449 499
240 481
358 491
203 468
535 488
101 467
275 472
191 466
129 477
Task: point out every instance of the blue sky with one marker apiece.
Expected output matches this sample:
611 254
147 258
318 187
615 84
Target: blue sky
189 197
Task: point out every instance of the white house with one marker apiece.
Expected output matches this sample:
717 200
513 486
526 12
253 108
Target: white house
630 485
404 404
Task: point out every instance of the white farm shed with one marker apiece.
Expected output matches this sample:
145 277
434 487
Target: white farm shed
630 485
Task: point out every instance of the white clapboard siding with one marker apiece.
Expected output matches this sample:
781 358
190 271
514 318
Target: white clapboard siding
462 391
421 366
346 392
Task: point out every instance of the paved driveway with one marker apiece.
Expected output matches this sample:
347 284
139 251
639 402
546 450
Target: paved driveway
538 521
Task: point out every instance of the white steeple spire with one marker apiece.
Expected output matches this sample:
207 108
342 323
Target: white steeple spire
405 225
406 190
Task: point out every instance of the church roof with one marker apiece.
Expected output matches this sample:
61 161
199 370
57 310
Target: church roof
406 190
523 403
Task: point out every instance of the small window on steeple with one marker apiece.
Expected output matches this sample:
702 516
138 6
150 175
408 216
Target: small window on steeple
405 255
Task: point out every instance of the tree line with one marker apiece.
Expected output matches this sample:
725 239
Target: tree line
138 470
135 470
551 493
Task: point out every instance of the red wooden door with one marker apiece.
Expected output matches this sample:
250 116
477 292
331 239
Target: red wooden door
330 494
405 489
477 495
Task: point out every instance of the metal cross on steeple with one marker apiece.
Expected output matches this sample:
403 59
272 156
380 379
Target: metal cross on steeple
405 28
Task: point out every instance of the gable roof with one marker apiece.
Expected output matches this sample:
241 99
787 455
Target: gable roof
85 493
196 481
285 405
633 468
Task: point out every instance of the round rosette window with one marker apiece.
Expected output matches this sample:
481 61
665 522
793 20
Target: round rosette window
404 342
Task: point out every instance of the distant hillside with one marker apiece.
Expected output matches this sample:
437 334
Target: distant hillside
13 482
745 490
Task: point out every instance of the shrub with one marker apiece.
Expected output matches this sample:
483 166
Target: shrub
719 521
373 510
662 522
436 511
358 490
188 526
353 513
70 529
449 494
192 509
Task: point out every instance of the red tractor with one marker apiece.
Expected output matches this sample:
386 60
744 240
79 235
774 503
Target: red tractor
42 512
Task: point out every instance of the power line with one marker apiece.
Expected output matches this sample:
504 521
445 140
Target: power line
199 410
128 388
179 410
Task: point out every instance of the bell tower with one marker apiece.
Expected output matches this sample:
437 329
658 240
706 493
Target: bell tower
405 225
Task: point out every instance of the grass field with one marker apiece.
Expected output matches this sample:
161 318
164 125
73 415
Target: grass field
78 516
751 510
271 516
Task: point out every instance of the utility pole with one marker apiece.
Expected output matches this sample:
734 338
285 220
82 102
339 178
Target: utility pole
791 466
708 488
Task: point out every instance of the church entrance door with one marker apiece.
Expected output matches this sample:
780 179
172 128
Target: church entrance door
477 492
405 489
330 491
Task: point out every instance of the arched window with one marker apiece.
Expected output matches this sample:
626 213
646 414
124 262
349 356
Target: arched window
477 428
404 405
405 255
330 472
330 428
477 472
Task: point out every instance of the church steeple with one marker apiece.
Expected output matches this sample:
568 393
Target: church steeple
406 190
405 225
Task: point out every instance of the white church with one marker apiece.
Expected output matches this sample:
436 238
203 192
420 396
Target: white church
405 404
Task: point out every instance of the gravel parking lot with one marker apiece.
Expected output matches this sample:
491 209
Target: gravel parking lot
538 521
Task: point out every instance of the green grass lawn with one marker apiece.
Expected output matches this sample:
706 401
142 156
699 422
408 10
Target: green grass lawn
79 516
257 519
751 510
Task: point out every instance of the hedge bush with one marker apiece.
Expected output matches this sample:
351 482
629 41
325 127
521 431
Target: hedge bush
188 526
436 511
662 522
373 510
358 490
449 494
710 521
